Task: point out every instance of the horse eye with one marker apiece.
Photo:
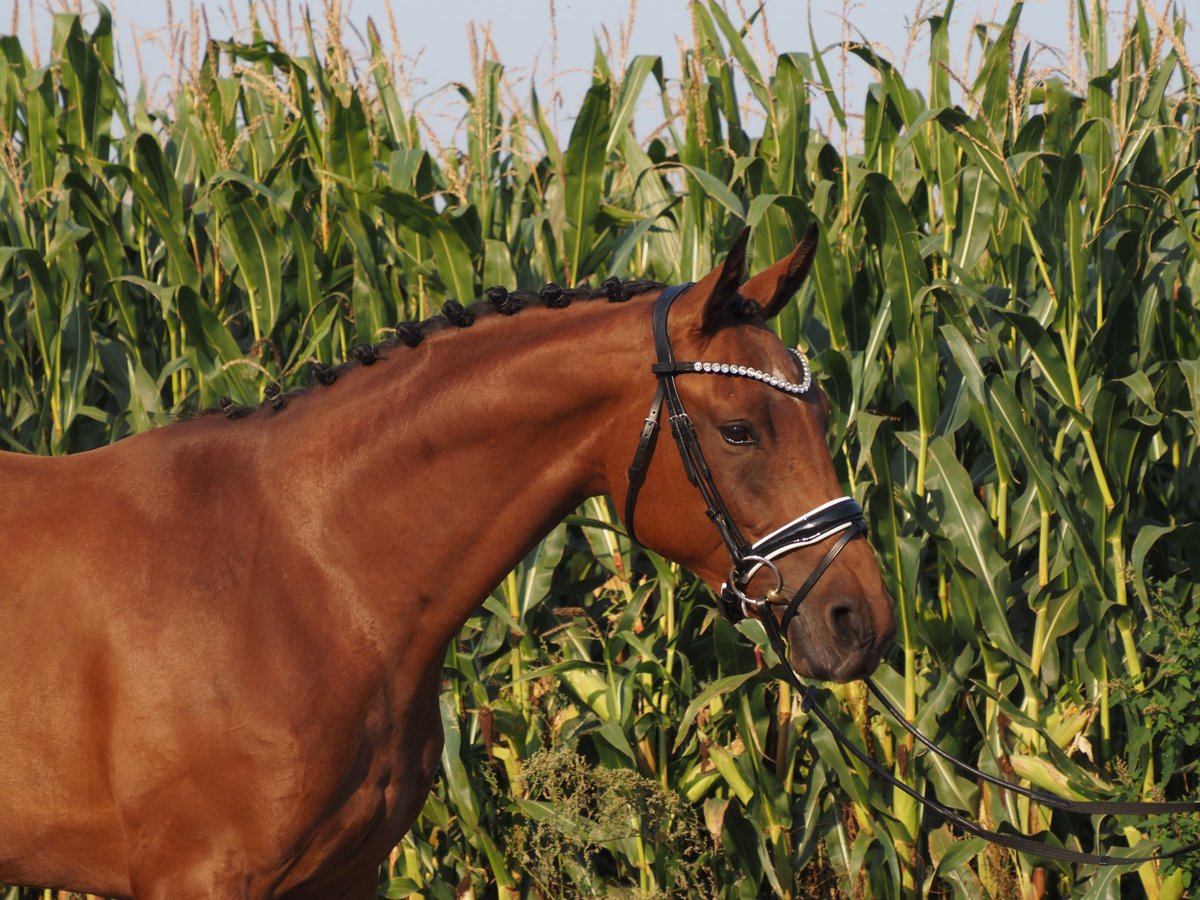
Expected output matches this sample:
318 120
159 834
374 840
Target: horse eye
737 433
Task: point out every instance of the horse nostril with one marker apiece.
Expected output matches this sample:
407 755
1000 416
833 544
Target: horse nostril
848 627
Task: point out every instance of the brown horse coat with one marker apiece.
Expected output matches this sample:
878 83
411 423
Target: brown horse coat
222 640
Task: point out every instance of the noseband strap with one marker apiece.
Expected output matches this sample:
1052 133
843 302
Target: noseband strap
843 516
794 606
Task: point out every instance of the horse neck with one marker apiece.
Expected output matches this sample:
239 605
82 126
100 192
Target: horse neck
440 467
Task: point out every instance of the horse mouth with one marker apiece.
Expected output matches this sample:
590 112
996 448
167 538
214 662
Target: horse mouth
840 673
840 645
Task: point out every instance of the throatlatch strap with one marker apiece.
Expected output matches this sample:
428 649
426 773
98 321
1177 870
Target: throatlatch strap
641 459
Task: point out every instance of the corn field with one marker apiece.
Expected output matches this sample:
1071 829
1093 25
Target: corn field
1003 313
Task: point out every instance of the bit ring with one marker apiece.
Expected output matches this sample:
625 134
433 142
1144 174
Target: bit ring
756 602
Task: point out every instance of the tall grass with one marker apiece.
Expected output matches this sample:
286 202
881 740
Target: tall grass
1003 314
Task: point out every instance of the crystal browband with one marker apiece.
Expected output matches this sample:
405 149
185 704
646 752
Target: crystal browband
707 368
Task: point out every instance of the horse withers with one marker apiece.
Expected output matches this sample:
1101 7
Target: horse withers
223 639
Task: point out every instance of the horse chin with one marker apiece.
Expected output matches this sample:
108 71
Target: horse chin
841 673
801 667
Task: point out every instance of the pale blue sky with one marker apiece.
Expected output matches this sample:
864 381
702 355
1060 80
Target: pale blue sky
435 47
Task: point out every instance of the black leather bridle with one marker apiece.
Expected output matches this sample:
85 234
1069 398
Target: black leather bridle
842 517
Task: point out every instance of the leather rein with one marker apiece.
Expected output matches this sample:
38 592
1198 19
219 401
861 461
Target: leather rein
843 517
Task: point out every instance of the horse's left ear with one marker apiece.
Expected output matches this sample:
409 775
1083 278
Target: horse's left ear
719 288
773 287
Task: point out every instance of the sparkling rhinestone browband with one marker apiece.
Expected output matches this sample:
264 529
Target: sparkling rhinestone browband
774 381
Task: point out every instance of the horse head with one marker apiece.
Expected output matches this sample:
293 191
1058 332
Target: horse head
731 504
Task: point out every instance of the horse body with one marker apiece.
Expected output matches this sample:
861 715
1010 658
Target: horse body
223 640
240 637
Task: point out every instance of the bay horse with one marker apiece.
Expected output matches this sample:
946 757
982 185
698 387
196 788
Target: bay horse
223 639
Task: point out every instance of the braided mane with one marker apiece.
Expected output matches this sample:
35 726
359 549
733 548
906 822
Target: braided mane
497 301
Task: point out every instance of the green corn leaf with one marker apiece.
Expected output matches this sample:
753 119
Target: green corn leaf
641 68
349 149
736 39
994 79
40 109
966 525
1051 367
713 188
215 358
583 167
978 196
826 83
180 262
792 115
718 688
1016 428
1186 536
250 234
893 230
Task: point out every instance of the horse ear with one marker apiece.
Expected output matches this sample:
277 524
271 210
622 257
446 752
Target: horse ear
773 287
720 286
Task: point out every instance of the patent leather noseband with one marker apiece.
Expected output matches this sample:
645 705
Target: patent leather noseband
843 517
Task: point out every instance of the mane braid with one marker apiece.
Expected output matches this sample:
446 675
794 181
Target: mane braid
498 301
323 374
275 399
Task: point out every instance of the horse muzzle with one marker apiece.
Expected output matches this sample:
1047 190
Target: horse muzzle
837 638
